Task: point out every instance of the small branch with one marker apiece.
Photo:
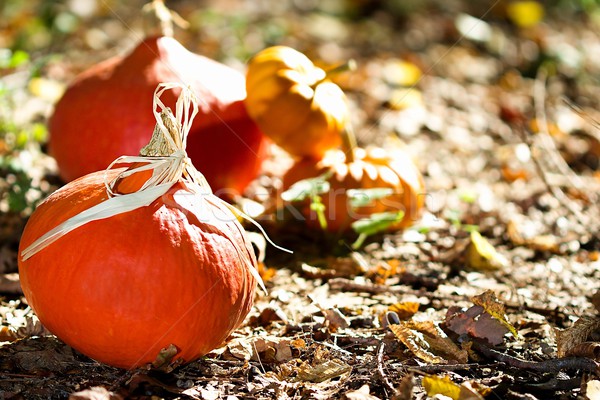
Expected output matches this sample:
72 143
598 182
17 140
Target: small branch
433 368
380 371
548 366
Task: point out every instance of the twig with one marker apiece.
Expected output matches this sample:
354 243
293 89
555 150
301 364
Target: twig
549 366
380 371
432 368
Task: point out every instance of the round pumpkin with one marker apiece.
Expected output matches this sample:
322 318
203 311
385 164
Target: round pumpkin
106 112
372 168
294 103
123 263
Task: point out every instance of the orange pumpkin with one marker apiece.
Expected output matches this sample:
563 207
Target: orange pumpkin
163 263
372 168
293 103
106 113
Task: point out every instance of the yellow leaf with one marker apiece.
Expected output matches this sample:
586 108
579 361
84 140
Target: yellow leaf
401 99
47 89
481 255
492 306
435 385
401 73
525 14
405 309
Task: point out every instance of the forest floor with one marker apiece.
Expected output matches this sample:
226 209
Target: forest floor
498 109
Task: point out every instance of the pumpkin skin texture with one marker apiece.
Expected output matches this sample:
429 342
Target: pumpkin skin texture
293 103
371 169
107 112
122 288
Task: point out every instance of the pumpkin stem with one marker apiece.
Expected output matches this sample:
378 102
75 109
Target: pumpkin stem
348 142
159 145
159 19
349 65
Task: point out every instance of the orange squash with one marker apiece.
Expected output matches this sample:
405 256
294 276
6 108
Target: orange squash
294 103
137 277
372 168
106 113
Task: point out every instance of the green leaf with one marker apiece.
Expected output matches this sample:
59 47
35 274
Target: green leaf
10 59
364 197
307 188
377 222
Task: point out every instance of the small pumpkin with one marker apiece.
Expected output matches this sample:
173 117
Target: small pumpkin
123 263
106 113
371 181
294 103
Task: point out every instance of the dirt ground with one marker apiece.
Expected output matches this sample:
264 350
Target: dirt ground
491 294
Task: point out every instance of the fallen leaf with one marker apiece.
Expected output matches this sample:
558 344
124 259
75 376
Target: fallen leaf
495 308
435 385
475 323
525 14
481 255
426 341
405 309
46 89
95 393
592 390
404 391
567 339
401 99
361 394
401 73
321 372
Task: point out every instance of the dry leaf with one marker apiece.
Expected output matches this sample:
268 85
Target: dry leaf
496 309
405 309
435 385
95 393
336 319
525 14
549 243
426 341
475 323
481 255
567 339
592 390
401 73
321 372
361 394
404 391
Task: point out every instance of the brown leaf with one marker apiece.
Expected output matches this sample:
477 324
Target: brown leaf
567 339
496 309
323 371
405 389
475 323
426 341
